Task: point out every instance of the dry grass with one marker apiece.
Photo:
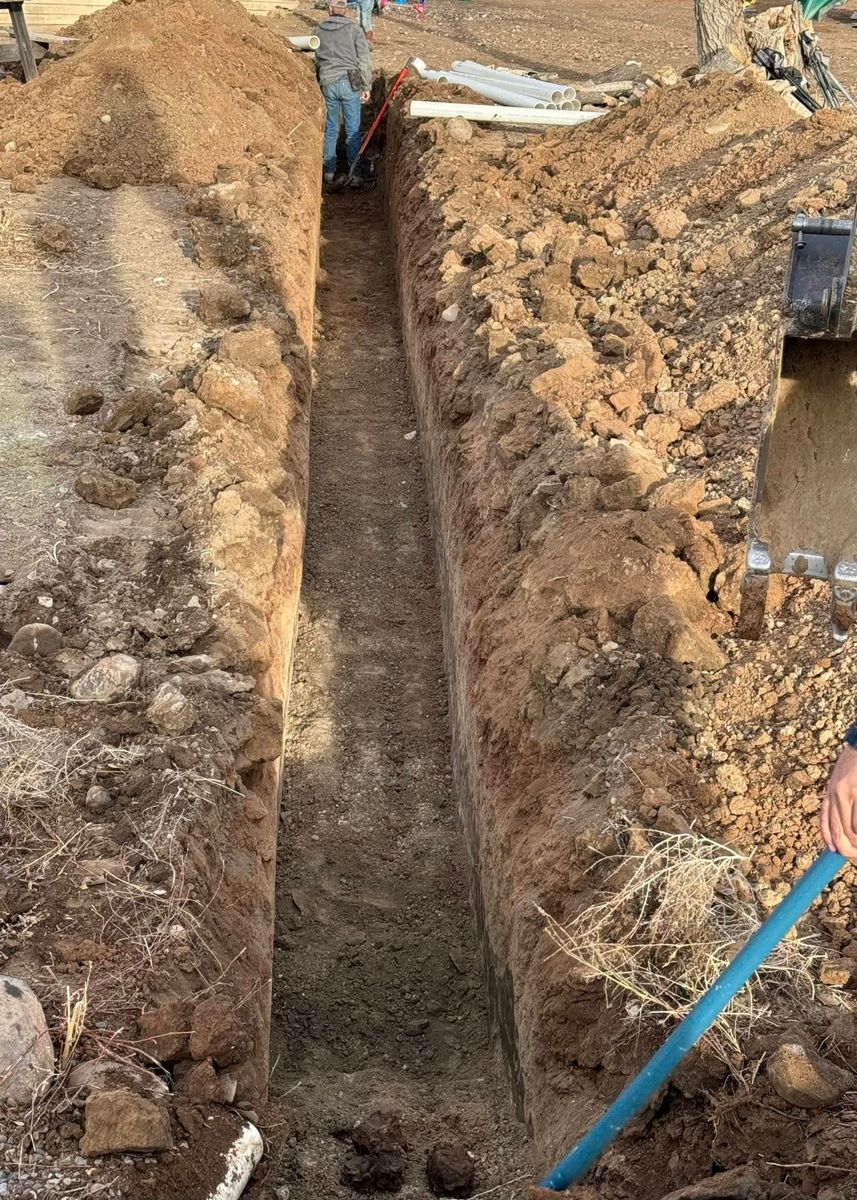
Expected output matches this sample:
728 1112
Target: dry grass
671 918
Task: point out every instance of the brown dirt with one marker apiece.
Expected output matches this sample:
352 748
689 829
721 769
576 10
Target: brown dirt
620 283
378 998
159 896
113 113
807 502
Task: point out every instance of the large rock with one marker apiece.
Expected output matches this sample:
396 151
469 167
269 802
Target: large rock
36 640
451 1170
111 679
164 1030
97 485
119 1122
26 1053
806 1080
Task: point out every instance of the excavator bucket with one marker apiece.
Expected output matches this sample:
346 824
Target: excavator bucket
804 516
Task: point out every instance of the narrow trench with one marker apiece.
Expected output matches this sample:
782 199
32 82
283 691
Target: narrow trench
378 992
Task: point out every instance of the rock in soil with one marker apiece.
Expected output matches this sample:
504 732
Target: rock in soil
97 485
219 302
742 1183
111 679
451 1171
108 1075
379 1131
171 712
26 1053
382 1171
804 1079
36 641
98 799
119 1122
84 400
55 236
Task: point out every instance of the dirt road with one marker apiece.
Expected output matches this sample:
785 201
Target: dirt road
378 989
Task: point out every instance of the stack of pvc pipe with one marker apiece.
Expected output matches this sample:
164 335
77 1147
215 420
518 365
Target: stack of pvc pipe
504 87
560 94
499 113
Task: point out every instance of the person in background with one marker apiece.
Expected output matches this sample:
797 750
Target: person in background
365 8
345 77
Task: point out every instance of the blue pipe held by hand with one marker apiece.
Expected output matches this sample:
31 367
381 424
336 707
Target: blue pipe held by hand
701 1017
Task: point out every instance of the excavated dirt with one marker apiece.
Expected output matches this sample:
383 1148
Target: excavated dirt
590 319
807 501
155 361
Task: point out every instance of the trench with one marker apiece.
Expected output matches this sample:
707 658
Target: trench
378 993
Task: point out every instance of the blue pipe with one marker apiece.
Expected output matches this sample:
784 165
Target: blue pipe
704 1013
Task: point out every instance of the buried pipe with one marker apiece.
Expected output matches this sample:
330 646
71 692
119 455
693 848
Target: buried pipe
701 1017
510 79
240 1160
306 42
491 91
499 113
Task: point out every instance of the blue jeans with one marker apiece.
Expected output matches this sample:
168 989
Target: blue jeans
364 13
341 99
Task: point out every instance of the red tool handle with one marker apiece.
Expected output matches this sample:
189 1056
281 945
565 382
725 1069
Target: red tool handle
400 79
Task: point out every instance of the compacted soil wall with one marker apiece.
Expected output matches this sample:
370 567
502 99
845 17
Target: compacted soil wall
590 318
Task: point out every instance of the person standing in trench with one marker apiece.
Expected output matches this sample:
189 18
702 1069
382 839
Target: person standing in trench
345 77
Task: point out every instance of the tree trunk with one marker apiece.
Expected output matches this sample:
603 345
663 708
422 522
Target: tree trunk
720 32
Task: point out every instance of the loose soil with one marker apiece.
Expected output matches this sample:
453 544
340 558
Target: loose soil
378 995
807 503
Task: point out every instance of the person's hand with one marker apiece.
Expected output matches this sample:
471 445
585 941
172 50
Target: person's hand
364 97
838 817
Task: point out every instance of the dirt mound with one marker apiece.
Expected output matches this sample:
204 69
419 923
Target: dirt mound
595 325
160 91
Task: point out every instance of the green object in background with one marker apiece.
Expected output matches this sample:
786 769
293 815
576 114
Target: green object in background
813 9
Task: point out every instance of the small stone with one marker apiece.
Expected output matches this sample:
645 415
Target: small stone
741 1183
26 1053
383 1171
684 494
459 129
171 712
84 400
97 485
119 1123
112 1075
54 236
451 1170
731 779
748 198
128 411
98 799
668 223
379 1131
836 972
450 314
806 1080
164 1030
23 183
36 641
109 680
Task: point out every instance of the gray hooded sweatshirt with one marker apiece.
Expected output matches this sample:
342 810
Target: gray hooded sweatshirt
343 48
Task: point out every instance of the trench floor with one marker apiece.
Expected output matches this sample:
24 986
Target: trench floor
378 990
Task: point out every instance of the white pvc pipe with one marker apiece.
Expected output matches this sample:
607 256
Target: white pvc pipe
518 83
306 42
240 1161
570 106
490 91
510 79
498 113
